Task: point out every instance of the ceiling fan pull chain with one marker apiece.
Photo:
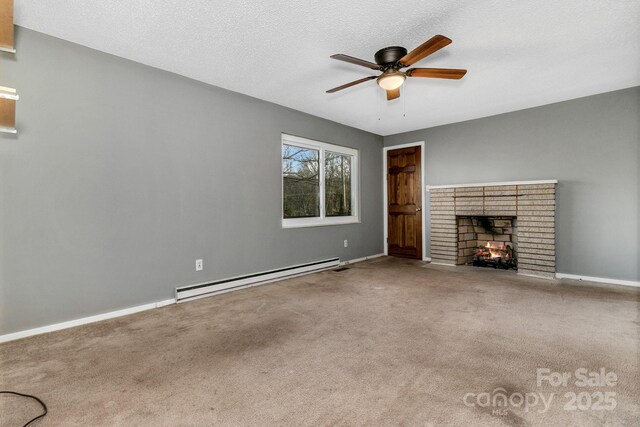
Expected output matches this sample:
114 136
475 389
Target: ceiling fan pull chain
379 104
404 101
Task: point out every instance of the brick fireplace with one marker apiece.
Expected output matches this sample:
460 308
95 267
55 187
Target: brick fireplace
506 225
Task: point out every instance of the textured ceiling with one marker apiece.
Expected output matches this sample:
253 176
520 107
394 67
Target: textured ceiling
519 54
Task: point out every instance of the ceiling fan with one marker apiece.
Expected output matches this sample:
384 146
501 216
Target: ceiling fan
391 60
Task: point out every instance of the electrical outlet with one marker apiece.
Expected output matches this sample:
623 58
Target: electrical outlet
199 265
346 243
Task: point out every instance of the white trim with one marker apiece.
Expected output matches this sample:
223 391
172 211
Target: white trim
428 259
7 49
423 196
166 302
323 220
131 310
317 222
8 130
356 260
8 93
598 279
84 320
494 184
5 95
311 143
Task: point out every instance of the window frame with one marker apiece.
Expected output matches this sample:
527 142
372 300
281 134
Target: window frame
322 148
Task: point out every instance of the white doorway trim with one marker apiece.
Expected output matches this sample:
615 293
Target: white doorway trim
423 194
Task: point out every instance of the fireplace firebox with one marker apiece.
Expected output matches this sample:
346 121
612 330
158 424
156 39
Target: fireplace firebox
487 241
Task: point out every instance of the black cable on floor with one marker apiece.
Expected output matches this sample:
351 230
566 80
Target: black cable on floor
30 397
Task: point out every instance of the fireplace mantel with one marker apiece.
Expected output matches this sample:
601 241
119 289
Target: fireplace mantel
494 184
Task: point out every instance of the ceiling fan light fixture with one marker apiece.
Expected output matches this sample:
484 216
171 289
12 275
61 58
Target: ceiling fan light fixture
391 79
391 60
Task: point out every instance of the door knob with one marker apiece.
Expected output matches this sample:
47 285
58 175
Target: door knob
418 209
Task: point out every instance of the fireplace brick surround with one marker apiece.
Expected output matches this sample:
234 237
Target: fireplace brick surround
532 204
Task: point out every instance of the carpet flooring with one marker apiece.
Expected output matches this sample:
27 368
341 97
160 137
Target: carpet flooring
386 342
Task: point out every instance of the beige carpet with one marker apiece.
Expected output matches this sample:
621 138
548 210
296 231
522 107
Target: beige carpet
387 342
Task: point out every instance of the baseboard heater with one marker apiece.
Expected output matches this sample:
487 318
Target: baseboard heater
185 293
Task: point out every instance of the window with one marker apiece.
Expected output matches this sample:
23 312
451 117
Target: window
319 183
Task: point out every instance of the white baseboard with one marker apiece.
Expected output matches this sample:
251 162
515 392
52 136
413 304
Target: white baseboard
598 279
572 277
119 313
366 258
428 259
84 320
166 302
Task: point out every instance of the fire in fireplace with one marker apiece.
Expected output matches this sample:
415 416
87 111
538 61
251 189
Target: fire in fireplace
496 255
488 241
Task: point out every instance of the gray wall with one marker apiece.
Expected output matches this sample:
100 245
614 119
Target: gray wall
591 145
122 175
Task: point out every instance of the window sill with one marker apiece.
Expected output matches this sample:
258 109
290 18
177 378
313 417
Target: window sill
316 222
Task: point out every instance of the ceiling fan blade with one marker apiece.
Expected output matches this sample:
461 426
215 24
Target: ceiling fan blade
344 86
356 61
437 73
393 94
432 45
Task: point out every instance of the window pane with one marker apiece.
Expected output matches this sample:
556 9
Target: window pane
301 182
337 177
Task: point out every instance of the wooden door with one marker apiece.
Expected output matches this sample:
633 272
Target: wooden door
404 202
